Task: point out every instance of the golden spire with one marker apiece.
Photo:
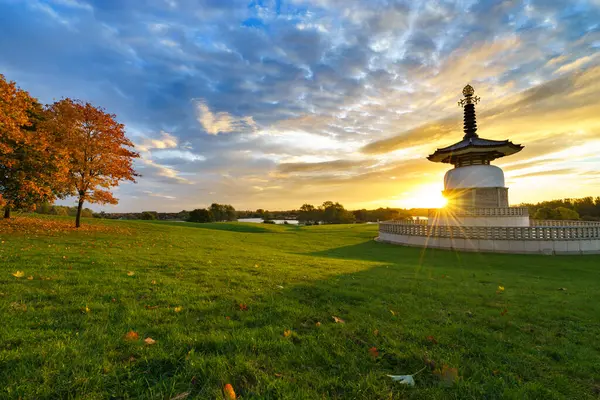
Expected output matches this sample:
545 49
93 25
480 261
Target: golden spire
468 92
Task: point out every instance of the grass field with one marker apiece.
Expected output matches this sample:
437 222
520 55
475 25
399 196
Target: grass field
252 305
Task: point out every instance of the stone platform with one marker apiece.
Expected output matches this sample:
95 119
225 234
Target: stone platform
502 230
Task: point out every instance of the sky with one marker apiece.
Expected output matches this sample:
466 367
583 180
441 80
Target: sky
275 103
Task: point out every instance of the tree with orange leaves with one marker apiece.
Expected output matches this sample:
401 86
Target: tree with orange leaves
99 155
29 164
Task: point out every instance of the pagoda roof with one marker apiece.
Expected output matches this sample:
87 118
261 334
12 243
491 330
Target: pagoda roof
490 149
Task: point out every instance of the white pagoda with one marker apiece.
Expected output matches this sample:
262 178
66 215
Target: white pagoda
478 216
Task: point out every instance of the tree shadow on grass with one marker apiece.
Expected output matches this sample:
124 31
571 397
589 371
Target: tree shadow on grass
223 226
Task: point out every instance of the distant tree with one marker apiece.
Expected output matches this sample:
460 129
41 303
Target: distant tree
98 152
201 215
149 215
183 215
308 214
544 213
565 213
59 210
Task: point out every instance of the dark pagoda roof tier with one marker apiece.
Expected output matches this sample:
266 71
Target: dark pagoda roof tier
475 146
472 149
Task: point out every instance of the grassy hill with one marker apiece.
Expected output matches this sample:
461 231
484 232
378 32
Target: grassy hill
253 305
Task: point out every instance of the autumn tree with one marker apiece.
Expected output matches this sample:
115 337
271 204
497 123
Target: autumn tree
29 161
99 155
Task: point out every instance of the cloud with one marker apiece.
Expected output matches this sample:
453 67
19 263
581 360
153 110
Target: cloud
166 141
336 165
222 122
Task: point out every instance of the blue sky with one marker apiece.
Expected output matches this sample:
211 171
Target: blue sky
272 104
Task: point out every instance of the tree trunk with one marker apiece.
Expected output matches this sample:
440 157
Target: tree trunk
78 217
7 212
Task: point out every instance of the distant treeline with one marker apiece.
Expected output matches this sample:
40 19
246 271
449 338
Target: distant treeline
334 213
327 213
586 208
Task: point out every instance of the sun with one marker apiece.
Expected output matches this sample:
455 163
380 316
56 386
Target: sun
424 196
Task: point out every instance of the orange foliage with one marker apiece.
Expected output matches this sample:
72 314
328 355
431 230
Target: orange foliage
229 392
98 152
36 226
29 160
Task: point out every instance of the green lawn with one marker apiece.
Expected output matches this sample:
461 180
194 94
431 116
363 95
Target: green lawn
418 309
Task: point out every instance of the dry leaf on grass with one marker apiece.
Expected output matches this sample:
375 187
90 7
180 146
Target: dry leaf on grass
317 324
130 273
229 392
30 277
406 379
287 333
149 341
178 309
181 396
131 335
243 307
18 274
338 320
432 339
373 352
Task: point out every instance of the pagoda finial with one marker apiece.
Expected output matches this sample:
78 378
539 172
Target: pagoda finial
468 103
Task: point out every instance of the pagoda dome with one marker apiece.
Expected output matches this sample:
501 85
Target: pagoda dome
474 176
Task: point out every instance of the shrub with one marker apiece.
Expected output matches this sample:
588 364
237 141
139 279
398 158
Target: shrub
149 215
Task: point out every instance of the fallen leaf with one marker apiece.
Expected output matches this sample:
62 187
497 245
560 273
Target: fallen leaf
318 324
149 341
243 307
338 320
181 396
404 379
153 282
393 312
18 306
504 312
500 289
30 277
130 273
278 375
227 318
376 332
85 309
229 392
18 274
287 333
373 352
132 335
432 339
114 300
178 309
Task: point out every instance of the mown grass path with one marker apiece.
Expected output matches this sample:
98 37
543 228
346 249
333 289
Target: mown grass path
219 298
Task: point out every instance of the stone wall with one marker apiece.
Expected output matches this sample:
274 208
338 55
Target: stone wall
540 239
